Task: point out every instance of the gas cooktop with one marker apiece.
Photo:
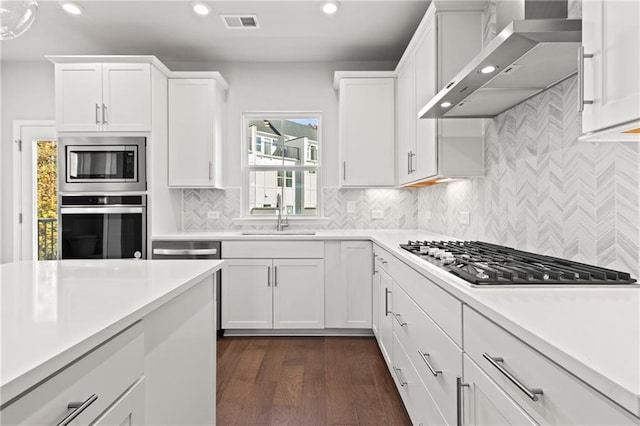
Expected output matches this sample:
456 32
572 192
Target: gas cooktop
483 263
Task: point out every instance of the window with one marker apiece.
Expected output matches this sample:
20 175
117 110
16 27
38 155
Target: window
282 158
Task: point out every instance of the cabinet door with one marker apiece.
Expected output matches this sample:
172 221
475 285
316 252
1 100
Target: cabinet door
298 293
610 33
375 296
367 132
126 97
407 120
356 268
78 90
246 293
129 410
486 403
191 132
384 312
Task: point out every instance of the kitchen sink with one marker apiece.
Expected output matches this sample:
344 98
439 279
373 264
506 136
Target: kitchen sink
274 232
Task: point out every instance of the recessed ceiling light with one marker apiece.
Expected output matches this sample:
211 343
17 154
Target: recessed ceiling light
71 8
445 104
329 6
488 69
201 8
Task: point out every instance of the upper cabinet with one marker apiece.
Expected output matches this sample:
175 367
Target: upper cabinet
367 128
196 116
102 97
609 86
433 149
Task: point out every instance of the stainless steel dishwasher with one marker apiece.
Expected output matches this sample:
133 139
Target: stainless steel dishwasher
165 249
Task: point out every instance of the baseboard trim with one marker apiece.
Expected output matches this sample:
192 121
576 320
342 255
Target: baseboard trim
365 332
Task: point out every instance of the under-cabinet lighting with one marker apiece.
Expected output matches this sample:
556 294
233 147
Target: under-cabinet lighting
201 8
71 8
445 104
488 69
329 6
444 180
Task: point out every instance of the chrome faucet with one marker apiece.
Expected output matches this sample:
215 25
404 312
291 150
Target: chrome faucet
280 224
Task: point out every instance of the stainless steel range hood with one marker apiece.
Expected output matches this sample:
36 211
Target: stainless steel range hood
530 55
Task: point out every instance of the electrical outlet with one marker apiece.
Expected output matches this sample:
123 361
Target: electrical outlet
213 214
465 218
427 214
351 206
377 214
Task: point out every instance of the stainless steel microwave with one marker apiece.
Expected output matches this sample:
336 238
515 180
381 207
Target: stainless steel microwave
112 164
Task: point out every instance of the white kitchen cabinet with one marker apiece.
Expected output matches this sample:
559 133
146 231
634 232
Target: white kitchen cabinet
196 131
348 290
366 129
385 324
432 149
265 290
611 42
103 97
128 410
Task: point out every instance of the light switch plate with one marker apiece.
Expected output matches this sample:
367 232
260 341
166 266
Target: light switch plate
377 214
213 214
351 206
465 218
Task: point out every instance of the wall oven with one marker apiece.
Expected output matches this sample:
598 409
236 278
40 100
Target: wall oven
102 164
102 227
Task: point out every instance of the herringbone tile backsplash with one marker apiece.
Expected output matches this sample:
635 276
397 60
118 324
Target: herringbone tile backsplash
544 191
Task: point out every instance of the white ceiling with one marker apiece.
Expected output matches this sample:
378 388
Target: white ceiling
291 31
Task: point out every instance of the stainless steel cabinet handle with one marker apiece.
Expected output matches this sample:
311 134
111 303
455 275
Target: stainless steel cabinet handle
373 264
344 170
210 170
429 366
268 276
398 318
532 394
104 114
78 407
401 379
275 276
409 162
97 112
459 413
386 301
411 169
185 252
581 58
101 210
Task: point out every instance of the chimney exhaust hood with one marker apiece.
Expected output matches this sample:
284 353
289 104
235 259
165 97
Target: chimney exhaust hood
525 58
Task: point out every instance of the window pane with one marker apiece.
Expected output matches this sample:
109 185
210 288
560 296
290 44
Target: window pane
299 192
287 142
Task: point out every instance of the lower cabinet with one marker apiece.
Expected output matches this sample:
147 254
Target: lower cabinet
273 293
128 410
385 324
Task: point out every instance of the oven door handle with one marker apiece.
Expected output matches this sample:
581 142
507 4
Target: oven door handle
185 252
101 210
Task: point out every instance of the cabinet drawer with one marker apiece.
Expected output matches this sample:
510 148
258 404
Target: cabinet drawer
107 372
444 309
428 347
420 405
273 249
565 400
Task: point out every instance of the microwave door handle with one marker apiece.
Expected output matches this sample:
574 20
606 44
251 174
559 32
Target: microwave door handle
101 210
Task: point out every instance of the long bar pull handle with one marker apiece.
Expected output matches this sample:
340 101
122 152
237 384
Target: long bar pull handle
401 379
185 252
275 276
97 114
399 319
268 276
104 114
532 394
581 58
210 170
78 408
429 366
409 162
459 413
373 264
344 170
386 302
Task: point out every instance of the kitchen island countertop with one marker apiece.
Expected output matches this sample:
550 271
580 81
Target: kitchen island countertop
53 312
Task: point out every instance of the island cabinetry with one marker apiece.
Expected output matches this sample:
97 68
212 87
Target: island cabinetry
526 378
86 388
273 284
366 129
102 97
348 292
196 130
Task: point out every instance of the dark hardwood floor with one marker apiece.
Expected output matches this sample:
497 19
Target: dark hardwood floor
305 381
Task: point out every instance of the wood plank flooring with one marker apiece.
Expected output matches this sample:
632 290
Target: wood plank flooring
305 381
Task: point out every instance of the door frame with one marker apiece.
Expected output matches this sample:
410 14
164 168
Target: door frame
19 198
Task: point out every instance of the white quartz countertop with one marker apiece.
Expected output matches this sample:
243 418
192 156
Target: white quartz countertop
592 332
54 311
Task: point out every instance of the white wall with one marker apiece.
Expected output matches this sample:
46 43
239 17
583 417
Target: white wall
27 94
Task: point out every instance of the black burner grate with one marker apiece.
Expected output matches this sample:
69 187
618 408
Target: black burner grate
490 264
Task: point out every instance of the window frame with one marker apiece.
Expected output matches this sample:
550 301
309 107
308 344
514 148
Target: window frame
247 168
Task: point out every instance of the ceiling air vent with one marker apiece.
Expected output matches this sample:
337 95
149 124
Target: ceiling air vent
240 22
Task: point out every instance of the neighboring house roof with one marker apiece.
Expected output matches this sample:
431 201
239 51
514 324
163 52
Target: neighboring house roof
289 128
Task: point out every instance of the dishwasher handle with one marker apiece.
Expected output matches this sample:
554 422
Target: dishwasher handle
185 252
